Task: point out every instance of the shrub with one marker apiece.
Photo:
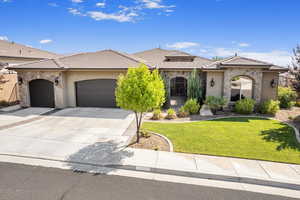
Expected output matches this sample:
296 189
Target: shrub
182 113
297 103
244 106
269 107
215 103
194 89
156 115
191 106
171 114
145 134
287 97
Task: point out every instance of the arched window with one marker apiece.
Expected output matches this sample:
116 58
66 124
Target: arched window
178 87
241 87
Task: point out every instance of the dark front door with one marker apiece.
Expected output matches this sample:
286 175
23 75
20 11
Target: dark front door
179 87
41 93
96 93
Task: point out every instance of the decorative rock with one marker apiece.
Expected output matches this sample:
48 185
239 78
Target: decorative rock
205 111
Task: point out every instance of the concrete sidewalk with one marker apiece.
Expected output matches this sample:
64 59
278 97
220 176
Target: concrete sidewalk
97 159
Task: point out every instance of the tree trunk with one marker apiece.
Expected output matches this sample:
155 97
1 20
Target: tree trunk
138 120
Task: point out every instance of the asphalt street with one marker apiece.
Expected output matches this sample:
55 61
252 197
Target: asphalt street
20 182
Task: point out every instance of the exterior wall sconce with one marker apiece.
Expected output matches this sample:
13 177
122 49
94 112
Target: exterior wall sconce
20 80
272 83
212 82
56 81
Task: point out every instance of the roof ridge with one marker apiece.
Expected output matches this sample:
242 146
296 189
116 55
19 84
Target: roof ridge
129 57
33 48
254 60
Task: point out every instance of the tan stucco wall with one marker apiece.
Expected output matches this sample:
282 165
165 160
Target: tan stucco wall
218 78
8 87
73 76
267 91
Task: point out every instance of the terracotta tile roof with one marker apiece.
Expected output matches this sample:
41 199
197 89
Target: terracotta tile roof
11 49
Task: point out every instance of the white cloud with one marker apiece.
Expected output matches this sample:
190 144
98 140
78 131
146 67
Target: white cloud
75 11
182 45
155 4
281 58
77 1
46 41
120 17
3 38
101 4
243 44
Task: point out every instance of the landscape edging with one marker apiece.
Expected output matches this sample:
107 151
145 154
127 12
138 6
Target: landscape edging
171 148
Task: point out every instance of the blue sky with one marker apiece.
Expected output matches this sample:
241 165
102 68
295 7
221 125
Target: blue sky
262 29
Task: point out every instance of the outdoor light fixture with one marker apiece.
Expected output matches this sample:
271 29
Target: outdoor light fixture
212 82
273 83
20 81
56 81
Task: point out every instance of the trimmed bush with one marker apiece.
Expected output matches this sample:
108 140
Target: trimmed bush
244 106
215 103
171 114
287 97
182 113
156 114
191 106
270 107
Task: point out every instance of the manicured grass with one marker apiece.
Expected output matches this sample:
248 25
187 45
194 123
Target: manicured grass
253 138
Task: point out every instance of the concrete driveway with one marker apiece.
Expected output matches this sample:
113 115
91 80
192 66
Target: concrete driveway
63 134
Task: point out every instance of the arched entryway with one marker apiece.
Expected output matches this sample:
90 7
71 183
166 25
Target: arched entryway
178 87
241 87
41 93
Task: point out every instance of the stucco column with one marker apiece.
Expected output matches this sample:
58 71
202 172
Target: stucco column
59 91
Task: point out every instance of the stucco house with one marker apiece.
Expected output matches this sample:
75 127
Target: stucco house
12 54
89 79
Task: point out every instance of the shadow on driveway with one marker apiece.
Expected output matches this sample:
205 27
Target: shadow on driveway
99 158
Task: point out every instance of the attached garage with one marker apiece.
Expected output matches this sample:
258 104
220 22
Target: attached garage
41 93
96 93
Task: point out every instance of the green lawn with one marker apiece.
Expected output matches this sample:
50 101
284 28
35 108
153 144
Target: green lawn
253 138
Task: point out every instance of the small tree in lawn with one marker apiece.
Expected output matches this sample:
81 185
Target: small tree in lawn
140 90
194 90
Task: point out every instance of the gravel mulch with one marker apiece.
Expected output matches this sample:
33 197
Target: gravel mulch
154 142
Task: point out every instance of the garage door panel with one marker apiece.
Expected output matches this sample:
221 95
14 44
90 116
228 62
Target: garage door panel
96 93
41 93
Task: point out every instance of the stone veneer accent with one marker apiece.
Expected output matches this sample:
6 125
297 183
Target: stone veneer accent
28 76
255 74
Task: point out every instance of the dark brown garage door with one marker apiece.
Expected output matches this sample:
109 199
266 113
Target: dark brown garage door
96 93
41 93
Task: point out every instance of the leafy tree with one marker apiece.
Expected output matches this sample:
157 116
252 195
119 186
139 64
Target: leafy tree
295 68
140 90
194 90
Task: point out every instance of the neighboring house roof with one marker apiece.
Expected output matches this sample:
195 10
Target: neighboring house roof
106 59
158 57
238 61
11 49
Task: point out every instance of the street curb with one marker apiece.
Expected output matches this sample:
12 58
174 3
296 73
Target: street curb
171 148
189 174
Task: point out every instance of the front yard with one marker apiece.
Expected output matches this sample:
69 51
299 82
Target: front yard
244 137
